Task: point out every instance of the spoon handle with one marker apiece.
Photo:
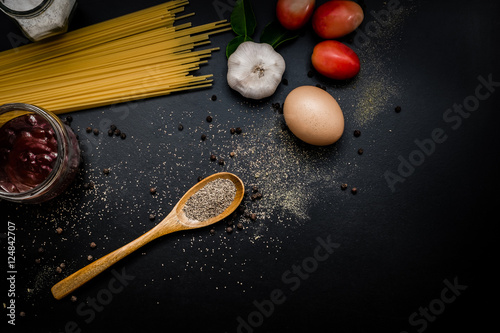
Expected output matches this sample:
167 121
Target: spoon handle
80 277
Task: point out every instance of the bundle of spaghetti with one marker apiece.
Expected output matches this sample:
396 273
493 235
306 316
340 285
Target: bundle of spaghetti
135 56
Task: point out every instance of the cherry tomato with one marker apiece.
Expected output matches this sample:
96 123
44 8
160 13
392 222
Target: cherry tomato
335 19
294 14
335 60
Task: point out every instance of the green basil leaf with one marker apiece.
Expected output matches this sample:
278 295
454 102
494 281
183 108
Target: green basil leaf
234 43
243 19
274 34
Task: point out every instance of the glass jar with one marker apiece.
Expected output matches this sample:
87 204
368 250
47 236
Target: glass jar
39 154
39 19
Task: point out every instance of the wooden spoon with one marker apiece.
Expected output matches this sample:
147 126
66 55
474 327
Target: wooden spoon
175 221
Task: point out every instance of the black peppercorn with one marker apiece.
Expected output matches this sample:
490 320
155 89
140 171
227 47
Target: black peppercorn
88 129
152 190
221 161
284 81
123 136
93 245
214 98
180 127
59 230
238 130
360 151
354 190
110 132
239 225
253 216
105 171
212 231
96 131
209 119
357 133
213 158
229 230
118 132
232 130
310 73
152 217
113 127
397 109
343 187
69 119
203 137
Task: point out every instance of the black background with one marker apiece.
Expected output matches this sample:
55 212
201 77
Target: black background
396 247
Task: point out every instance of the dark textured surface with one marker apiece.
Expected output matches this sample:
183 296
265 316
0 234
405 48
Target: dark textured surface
396 251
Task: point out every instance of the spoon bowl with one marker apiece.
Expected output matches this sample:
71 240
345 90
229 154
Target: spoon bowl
176 220
240 191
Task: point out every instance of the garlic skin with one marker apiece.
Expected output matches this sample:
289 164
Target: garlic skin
255 70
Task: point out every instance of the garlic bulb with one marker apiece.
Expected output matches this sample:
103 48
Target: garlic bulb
255 70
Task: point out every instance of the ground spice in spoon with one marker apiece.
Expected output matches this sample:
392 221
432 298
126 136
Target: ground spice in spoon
211 200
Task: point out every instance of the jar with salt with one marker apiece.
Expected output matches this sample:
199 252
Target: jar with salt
39 19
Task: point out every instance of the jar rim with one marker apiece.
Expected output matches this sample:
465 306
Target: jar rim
26 13
60 133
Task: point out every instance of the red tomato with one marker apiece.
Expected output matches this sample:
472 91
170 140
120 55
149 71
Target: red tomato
335 60
294 14
335 19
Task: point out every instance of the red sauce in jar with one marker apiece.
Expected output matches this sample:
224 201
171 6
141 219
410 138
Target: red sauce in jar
28 152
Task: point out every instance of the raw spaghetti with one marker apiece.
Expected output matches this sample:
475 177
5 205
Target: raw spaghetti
135 56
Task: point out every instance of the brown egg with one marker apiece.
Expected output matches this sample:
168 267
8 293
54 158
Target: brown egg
313 115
